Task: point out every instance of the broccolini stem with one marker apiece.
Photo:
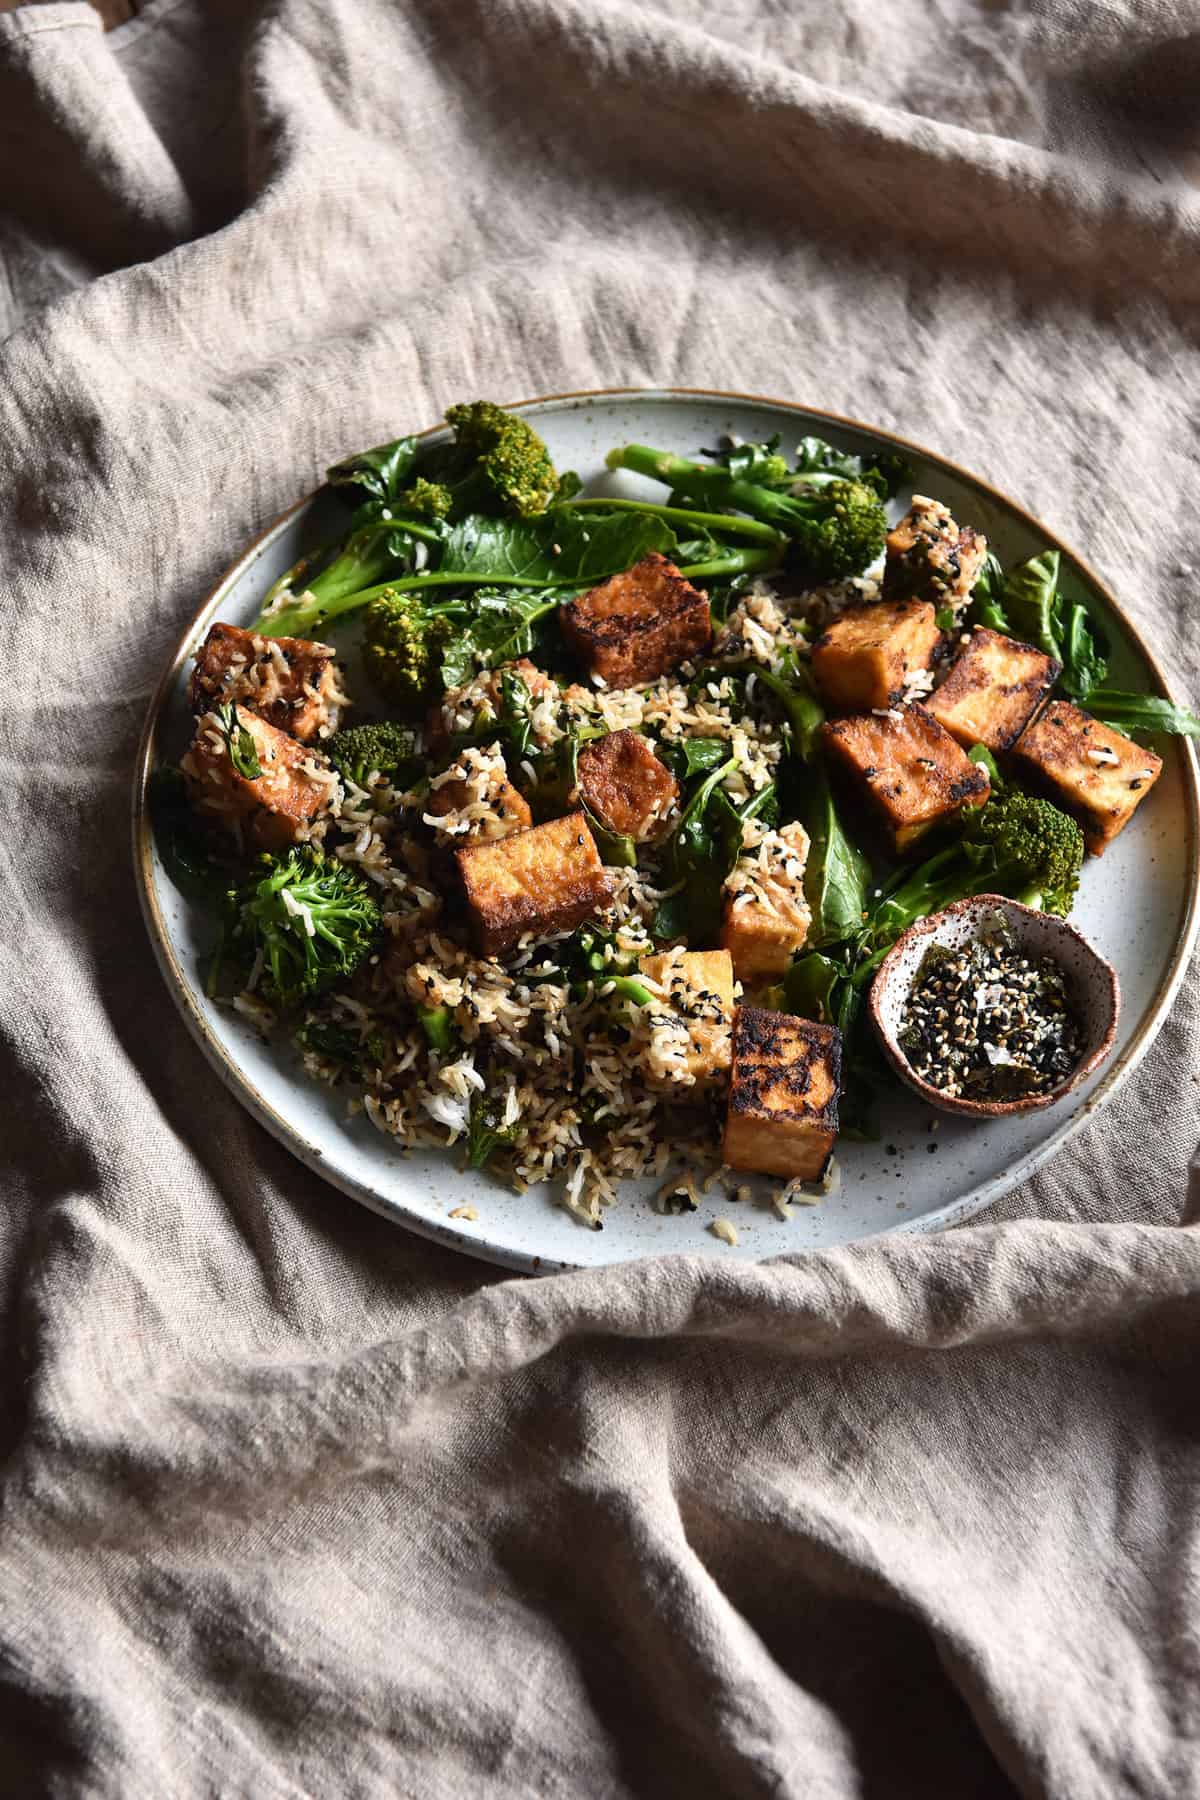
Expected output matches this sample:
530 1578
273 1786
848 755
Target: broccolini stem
730 523
708 481
307 613
737 562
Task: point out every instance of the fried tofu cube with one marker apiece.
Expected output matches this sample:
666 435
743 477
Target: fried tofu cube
782 1114
687 1032
908 767
929 557
868 654
474 798
993 690
623 783
278 807
639 625
766 915
291 682
546 878
1092 772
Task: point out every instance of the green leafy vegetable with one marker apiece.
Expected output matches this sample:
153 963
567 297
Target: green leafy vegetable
186 854
837 872
987 606
377 474
386 749
342 1044
836 526
486 1131
313 919
1143 713
243 752
1041 613
437 1022
793 689
700 853
1017 845
686 757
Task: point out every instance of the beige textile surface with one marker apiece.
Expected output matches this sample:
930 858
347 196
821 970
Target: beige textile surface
295 1503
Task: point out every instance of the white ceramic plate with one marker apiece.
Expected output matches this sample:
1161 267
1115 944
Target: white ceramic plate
1138 905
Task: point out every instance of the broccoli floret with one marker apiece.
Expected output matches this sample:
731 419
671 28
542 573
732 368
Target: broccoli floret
313 919
427 499
341 1044
387 749
506 463
404 635
1017 845
1031 847
836 525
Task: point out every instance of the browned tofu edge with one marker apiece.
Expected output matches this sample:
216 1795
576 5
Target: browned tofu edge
756 1045
962 681
612 769
1039 751
968 787
497 926
672 620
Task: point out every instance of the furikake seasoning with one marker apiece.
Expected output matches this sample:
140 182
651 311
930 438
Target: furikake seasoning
988 1022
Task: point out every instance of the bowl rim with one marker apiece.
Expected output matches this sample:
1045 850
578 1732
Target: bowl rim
889 968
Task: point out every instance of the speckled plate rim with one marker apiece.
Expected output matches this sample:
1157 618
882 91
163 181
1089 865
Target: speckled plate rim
955 1212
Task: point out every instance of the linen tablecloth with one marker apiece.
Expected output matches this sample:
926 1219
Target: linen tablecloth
295 1503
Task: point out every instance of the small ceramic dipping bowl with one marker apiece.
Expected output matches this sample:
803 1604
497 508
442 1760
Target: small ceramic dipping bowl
1093 984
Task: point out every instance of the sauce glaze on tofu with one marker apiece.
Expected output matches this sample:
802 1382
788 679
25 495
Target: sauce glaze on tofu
639 625
782 1116
766 915
291 682
625 785
908 768
474 798
278 808
993 690
544 879
929 557
868 655
1095 774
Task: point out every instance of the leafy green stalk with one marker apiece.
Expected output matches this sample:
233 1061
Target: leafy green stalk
1017 845
793 689
836 527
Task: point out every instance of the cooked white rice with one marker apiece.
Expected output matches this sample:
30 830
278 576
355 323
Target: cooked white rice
592 1091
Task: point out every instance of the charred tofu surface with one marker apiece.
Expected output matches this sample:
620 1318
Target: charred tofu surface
766 916
1091 772
869 654
623 783
474 798
639 625
993 690
908 768
291 682
544 879
782 1117
281 806
687 1029
929 557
